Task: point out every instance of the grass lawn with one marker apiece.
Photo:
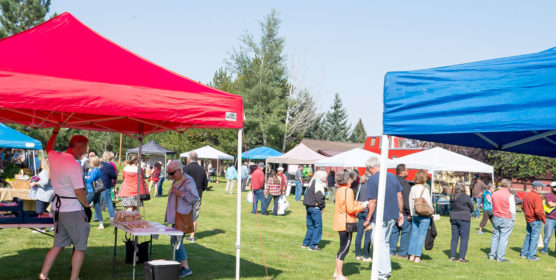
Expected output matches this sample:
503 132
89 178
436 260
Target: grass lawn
212 256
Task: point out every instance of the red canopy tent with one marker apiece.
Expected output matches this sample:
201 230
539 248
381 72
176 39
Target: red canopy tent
63 73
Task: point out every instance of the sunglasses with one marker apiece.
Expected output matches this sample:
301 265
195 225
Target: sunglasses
172 173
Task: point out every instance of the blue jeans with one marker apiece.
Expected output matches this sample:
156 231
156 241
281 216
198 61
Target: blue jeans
460 233
419 228
531 242
384 264
258 195
95 198
298 190
181 254
501 230
405 231
267 203
40 207
478 202
549 230
314 227
159 186
106 195
360 233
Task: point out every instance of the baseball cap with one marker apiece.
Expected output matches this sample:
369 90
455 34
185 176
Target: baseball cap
280 168
260 164
538 184
553 184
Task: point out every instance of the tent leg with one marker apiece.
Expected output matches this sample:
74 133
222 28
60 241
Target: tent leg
217 170
378 232
34 162
139 168
431 193
238 193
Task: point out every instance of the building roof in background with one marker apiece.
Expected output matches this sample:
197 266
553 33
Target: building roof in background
330 148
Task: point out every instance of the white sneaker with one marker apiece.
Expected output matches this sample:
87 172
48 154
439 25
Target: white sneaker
100 226
359 258
367 260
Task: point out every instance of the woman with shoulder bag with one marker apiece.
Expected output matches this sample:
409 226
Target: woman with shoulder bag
420 205
128 190
180 209
461 207
345 223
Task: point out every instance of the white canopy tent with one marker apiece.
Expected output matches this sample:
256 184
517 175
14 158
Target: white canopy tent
209 152
356 157
438 159
300 154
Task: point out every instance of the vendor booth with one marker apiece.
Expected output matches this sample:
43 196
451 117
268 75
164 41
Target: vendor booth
300 154
62 73
154 151
261 152
208 152
501 104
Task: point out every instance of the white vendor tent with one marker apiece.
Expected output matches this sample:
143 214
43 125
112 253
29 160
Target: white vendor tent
356 157
210 153
438 159
300 154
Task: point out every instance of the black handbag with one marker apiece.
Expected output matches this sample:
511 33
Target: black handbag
350 227
142 254
145 197
98 186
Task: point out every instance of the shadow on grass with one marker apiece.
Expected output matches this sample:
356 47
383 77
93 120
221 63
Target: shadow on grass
486 251
208 233
364 267
98 263
516 249
323 243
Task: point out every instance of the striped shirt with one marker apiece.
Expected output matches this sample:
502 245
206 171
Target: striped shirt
273 186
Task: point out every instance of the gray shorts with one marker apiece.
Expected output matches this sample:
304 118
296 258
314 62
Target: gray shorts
72 227
197 209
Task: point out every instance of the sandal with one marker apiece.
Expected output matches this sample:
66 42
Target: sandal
420 261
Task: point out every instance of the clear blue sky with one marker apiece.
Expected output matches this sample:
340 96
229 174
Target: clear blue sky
346 46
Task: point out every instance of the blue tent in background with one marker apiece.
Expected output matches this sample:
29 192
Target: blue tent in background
261 153
505 104
11 138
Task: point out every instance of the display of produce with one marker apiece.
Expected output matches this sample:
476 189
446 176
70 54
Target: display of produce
123 216
137 225
131 220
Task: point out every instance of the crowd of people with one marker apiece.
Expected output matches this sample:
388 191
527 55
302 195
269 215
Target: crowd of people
70 181
408 213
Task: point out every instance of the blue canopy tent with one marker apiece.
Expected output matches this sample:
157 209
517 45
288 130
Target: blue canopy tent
11 138
505 104
261 153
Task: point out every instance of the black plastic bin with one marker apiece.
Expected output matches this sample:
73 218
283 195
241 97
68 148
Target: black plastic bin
162 270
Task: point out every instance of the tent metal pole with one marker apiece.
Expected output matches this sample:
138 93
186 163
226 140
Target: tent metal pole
217 169
431 192
139 168
34 162
378 232
238 194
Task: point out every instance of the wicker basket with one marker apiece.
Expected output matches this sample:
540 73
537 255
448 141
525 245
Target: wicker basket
21 184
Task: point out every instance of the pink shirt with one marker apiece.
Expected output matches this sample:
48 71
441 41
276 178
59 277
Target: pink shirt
503 204
66 176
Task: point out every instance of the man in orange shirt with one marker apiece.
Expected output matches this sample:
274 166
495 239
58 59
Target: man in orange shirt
534 215
257 187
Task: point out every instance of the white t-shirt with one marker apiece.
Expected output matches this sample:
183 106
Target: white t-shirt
66 175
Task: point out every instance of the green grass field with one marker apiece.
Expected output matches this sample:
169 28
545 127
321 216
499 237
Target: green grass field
212 256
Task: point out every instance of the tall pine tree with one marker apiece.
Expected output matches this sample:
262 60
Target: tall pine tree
358 135
20 15
337 126
261 74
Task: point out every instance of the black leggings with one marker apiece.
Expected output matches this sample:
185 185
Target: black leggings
345 242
